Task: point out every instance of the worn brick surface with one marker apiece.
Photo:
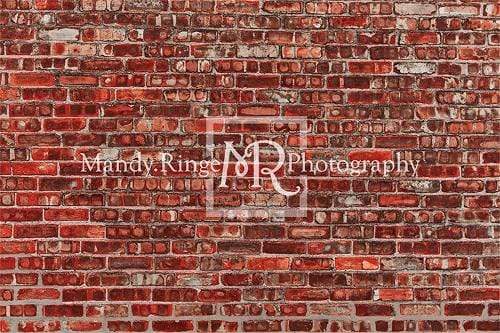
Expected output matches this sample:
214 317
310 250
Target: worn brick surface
125 252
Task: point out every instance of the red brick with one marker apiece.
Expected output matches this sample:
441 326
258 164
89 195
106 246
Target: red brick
371 155
173 326
398 200
356 263
395 294
32 79
257 81
268 263
374 310
463 309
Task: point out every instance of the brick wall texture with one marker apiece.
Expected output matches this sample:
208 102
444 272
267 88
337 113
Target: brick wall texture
128 252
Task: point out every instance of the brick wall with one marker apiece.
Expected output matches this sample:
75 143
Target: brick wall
126 252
